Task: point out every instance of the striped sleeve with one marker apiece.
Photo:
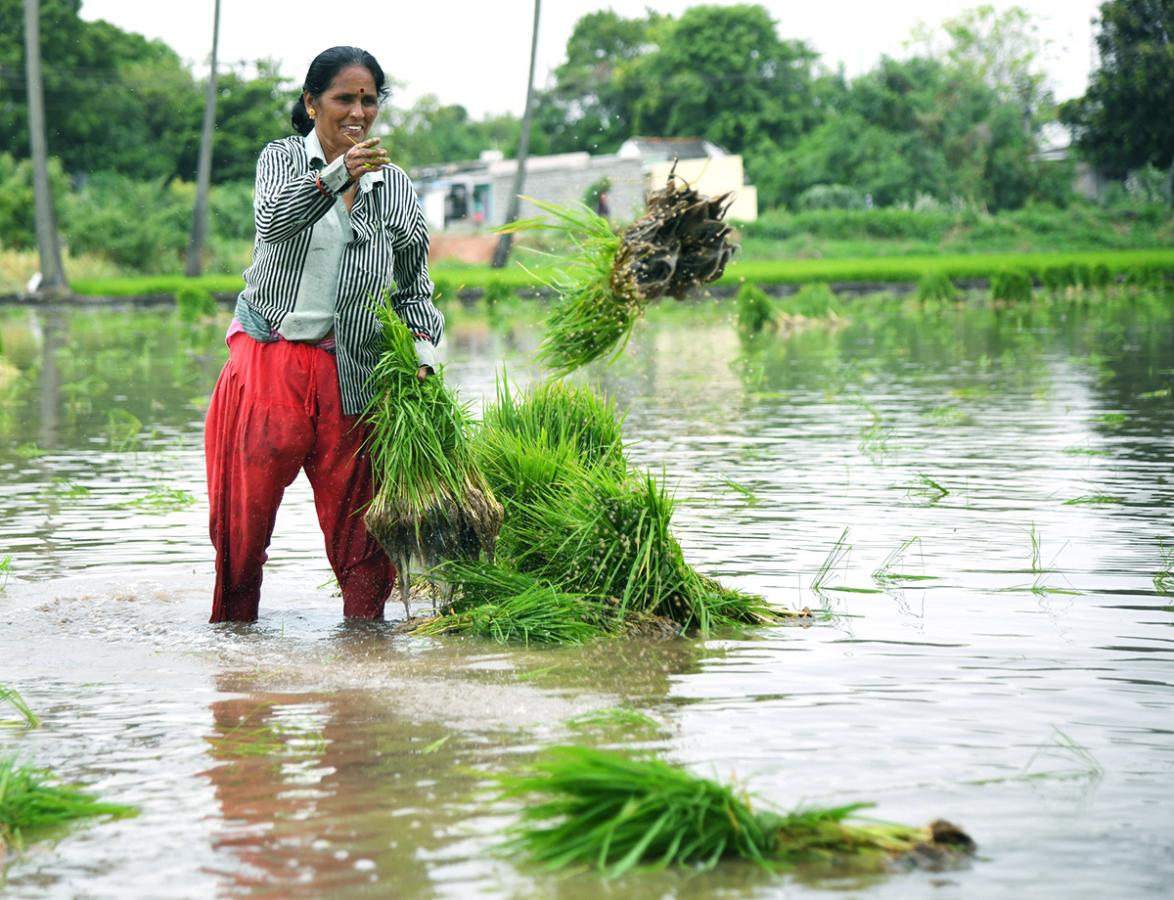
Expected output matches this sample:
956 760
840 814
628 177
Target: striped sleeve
288 200
412 298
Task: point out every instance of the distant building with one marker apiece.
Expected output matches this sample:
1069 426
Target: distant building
1055 145
474 194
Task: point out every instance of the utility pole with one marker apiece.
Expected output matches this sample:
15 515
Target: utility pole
204 166
502 253
53 280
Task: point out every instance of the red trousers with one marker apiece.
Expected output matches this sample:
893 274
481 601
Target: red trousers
275 410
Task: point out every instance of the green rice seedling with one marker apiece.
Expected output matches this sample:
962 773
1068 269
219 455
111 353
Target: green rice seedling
756 312
1094 499
812 301
5 570
926 487
839 552
33 801
886 573
1086 451
431 501
163 499
680 243
608 537
1013 285
553 413
614 812
1112 420
497 292
1164 577
748 495
194 301
444 290
1157 394
29 451
435 745
615 716
122 430
507 606
1100 277
935 285
1057 279
12 697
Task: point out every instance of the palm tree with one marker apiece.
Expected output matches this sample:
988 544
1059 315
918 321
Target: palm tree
502 253
204 166
53 280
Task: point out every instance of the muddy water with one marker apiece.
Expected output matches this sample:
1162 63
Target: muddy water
1010 668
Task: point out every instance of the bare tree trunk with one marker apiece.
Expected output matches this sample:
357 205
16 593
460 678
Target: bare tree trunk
204 167
53 280
502 253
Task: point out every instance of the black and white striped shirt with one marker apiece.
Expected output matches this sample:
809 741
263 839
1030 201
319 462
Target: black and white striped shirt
389 244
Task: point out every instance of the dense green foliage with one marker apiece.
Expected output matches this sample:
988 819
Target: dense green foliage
1124 120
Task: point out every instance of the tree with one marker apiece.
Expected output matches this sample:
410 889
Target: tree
591 104
502 252
1002 49
723 73
113 100
1124 120
204 168
53 280
432 132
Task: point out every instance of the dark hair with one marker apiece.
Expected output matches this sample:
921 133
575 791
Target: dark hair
325 66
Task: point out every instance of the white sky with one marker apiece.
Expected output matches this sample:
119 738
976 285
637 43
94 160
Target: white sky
476 52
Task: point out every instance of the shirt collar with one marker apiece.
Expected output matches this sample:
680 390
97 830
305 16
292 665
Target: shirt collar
315 152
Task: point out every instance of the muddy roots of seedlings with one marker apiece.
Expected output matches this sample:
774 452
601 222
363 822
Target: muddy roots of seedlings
614 812
680 243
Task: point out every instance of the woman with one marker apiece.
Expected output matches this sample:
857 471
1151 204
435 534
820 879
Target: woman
337 224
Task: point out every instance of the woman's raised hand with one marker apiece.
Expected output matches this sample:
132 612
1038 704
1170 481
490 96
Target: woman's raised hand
365 156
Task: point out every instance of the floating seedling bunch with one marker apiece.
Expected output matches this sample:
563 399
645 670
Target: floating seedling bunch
614 812
680 243
431 501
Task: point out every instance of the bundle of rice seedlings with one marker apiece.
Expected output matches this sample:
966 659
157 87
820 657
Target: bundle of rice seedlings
431 501
554 413
680 243
608 536
614 812
756 311
507 606
32 799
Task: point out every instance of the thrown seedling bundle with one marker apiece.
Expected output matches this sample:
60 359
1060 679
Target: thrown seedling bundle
581 529
680 243
431 502
615 812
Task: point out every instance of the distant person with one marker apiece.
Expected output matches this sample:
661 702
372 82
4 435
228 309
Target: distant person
602 206
336 224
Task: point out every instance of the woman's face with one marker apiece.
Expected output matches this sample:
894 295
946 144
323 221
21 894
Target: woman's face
345 111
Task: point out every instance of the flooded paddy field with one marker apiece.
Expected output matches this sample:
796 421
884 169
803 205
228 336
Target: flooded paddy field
975 502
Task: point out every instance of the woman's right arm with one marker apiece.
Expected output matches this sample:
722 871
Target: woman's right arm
288 201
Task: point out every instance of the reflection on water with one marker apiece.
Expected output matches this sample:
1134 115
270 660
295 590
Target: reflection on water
989 641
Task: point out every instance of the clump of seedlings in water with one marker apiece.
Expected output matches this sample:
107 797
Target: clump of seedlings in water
431 501
33 801
11 697
1164 577
614 812
680 243
586 548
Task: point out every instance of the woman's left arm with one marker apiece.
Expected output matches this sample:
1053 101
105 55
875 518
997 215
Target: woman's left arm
412 298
